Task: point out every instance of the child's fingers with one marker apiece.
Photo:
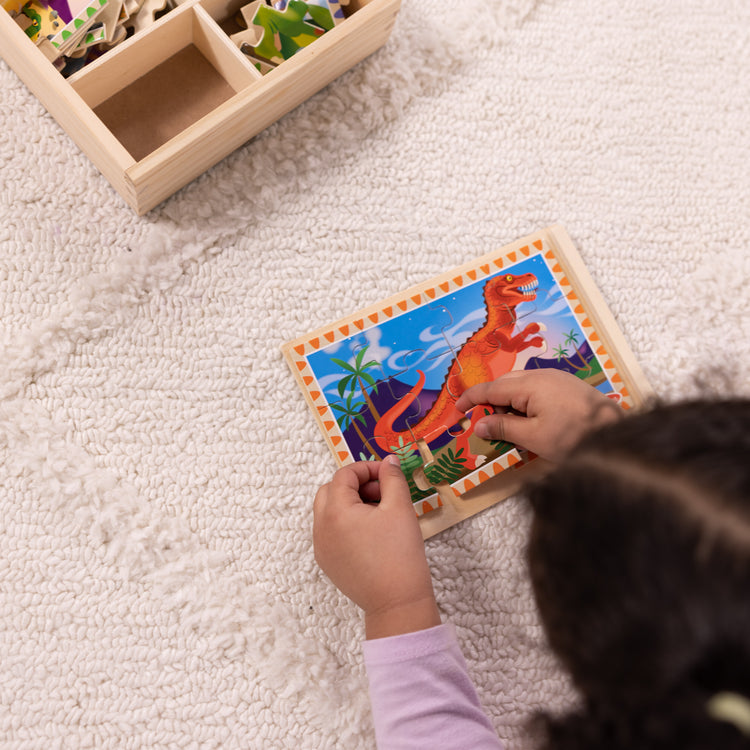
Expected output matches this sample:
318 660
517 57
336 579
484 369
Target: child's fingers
509 427
394 489
345 487
353 476
508 390
370 492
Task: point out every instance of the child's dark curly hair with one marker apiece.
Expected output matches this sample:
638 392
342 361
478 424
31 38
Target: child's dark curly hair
640 560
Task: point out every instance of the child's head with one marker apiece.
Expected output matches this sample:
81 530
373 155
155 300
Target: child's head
640 560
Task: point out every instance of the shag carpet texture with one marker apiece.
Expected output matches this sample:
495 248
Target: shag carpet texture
157 461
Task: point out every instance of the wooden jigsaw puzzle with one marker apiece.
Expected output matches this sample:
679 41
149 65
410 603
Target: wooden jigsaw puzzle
386 379
275 30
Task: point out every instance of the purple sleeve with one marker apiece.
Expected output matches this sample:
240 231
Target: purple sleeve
422 695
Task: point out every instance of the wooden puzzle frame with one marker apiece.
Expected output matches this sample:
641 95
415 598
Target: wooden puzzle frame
502 475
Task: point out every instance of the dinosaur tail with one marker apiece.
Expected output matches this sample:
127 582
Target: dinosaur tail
385 436
441 417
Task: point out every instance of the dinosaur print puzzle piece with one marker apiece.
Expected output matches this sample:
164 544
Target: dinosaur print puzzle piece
462 455
445 352
435 355
400 365
364 385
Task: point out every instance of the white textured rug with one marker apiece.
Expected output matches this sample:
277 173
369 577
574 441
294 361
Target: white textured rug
157 463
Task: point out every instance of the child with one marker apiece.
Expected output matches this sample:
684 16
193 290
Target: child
639 557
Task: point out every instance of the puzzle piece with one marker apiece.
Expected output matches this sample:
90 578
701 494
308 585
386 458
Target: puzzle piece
262 66
424 496
394 383
284 32
39 20
146 15
332 6
71 33
318 11
361 384
274 31
449 350
67 39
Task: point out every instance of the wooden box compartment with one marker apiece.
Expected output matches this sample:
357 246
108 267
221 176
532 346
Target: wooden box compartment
170 102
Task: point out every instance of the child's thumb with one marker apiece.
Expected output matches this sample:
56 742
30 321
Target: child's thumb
394 489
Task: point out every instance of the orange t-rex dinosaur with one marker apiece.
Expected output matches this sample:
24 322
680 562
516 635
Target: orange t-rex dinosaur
488 354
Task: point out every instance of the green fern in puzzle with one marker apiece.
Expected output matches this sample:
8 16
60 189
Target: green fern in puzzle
448 467
501 446
410 462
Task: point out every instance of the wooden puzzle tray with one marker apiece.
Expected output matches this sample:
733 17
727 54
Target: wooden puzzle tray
384 379
162 107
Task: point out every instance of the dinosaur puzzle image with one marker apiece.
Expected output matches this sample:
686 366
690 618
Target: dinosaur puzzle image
387 379
489 353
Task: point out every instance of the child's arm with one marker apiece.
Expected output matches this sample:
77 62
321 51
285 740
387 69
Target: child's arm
422 695
544 411
367 540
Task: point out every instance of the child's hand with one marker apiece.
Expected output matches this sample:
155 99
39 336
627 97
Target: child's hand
551 410
368 542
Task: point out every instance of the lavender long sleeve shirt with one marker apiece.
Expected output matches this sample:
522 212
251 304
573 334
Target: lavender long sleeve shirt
422 695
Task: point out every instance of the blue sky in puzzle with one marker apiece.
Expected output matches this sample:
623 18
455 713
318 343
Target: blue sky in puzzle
428 337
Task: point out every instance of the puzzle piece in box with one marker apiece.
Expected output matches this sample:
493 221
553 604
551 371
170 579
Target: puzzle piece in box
68 9
39 20
146 15
44 46
95 35
244 18
262 66
274 30
45 18
67 39
130 8
285 32
247 38
318 12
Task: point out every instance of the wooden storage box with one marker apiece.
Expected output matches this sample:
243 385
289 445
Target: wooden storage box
148 136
